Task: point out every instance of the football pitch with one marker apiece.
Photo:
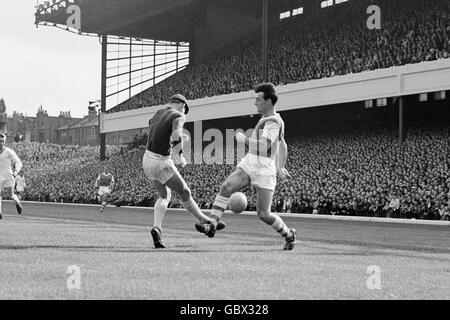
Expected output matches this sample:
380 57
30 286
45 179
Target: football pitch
112 257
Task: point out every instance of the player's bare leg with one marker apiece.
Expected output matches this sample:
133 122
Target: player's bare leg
103 201
100 199
178 185
159 212
238 180
235 182
16 200
263 204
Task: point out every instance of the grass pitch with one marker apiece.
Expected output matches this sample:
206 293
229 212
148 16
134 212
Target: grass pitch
115 256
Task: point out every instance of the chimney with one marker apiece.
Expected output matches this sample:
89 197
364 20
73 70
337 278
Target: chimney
92 112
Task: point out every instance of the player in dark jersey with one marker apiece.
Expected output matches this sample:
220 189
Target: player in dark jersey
104 186
166 126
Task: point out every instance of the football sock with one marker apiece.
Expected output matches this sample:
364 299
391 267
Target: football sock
219 206
15 198
281 227
160 210
193 208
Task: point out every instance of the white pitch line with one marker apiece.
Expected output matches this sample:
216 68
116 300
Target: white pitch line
282 214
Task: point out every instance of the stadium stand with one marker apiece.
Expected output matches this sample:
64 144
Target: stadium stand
362 171
301 51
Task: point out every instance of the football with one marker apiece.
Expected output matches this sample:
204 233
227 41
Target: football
237 202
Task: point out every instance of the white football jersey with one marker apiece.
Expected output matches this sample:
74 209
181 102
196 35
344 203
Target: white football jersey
20 182
7 157
271 128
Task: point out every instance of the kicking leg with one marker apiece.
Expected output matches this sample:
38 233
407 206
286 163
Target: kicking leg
178 185
235 182
264 201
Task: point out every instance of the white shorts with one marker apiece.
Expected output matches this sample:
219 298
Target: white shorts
261 170
20 189
103 190
7 183
158 167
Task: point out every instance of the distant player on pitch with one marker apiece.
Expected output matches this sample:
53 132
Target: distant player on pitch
265 159
7 175
166 126
104 186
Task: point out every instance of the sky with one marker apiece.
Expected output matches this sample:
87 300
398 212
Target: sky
45 66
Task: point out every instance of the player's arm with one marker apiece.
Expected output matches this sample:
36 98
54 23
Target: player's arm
259 144
96 182
179 136
266 140
177 130
282 159
282 154
112 183
274 131
17 163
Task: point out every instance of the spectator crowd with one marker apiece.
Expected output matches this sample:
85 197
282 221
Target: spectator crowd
364 172
59 172
314 46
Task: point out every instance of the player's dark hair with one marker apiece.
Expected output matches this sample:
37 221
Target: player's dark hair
269 92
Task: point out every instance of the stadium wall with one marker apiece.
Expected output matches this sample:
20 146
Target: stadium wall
393 82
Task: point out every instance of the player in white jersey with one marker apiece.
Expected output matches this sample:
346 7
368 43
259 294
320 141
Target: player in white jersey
20 185
7 175
265 159
104 186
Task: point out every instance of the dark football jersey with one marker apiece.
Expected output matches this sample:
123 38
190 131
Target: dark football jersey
160 134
